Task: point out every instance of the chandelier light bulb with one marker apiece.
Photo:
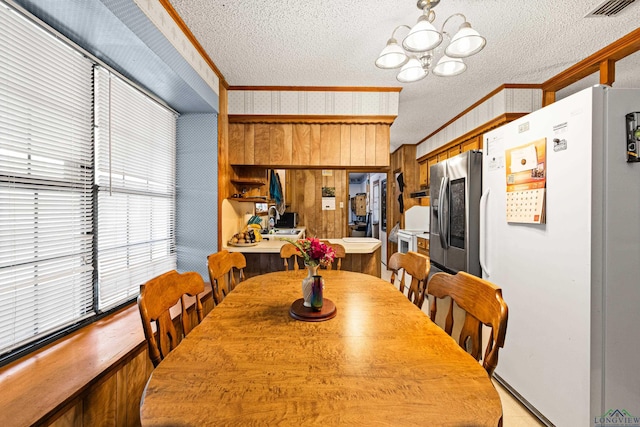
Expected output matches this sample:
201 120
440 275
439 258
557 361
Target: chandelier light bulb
392 56
422 37
465 42
411 72
448 67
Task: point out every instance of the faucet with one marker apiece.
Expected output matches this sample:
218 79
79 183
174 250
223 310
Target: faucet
272 218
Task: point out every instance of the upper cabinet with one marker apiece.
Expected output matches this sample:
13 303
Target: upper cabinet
304 145
474 143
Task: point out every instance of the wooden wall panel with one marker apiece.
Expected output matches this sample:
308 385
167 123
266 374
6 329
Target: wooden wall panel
262 141
328 216
301 145
100 406
316 142
358 144
280 144
306 199
330 145
370 144
71 418
136 379
310 201
345 145
382 145
249 146
236 144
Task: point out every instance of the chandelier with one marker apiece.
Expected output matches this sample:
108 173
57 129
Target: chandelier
420 47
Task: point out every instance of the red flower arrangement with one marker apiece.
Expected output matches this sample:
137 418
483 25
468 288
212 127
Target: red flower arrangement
314 251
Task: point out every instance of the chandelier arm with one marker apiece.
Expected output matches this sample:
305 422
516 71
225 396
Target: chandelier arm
393 34
447 20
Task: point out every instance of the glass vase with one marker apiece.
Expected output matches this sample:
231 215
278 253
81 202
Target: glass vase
307 284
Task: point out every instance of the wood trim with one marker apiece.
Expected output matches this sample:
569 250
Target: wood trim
224 168
548 97
480 101
318 88
607 72
617 50
498 121
319 119
187 32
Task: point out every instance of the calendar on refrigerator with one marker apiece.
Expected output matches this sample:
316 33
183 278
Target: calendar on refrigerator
526 182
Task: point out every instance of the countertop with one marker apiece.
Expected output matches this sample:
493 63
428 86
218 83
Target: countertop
423 236
352 245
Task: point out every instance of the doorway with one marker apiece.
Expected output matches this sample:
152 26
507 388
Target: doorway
366 204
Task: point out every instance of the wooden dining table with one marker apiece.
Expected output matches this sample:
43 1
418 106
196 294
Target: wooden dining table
379 362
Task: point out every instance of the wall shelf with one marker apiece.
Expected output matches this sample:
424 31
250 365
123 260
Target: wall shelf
251 199
249 182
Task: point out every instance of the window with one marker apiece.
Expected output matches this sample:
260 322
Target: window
87 186
135 176
46 178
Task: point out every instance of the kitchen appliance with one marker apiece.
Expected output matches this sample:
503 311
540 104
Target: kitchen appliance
288 220
416 221
419 194
571 284
455 190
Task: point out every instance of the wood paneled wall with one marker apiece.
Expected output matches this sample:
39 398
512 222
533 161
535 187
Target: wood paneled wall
305 197
304 145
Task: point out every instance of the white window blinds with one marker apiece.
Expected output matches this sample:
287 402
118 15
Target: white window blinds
46 178
135 175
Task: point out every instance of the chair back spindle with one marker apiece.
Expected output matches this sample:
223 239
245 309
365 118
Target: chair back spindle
482 303
415 265
157 297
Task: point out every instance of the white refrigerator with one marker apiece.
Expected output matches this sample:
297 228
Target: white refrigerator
570 276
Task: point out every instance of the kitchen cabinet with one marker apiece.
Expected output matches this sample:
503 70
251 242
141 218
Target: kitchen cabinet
359 204
423 171
453 151
472 144
309 144
249 182
423 246
430 162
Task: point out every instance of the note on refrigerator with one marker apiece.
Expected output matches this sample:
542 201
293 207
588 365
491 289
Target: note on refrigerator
526 183
523 158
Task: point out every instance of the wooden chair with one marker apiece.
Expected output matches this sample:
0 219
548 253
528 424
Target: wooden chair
224 267
155 301
417 266
483 305
288 251
340 254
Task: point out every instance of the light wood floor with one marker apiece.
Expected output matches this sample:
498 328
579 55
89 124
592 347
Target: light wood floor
513 412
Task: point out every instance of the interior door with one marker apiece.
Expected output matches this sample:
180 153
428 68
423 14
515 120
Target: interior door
375 214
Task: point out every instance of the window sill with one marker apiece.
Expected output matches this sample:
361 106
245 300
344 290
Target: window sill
39 386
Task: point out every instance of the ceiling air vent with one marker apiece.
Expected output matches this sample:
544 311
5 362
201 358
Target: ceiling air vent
610 8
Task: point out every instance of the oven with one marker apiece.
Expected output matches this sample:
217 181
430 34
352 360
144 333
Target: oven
408 240
416 221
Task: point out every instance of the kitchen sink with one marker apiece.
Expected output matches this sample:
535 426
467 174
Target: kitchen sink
281 233
286 231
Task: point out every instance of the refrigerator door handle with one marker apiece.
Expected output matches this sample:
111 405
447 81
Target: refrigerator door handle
443 222
483 232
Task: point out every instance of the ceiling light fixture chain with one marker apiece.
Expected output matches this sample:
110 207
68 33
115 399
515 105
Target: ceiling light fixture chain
421 44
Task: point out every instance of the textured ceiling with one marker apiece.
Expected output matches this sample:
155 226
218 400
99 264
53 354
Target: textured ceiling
335 43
